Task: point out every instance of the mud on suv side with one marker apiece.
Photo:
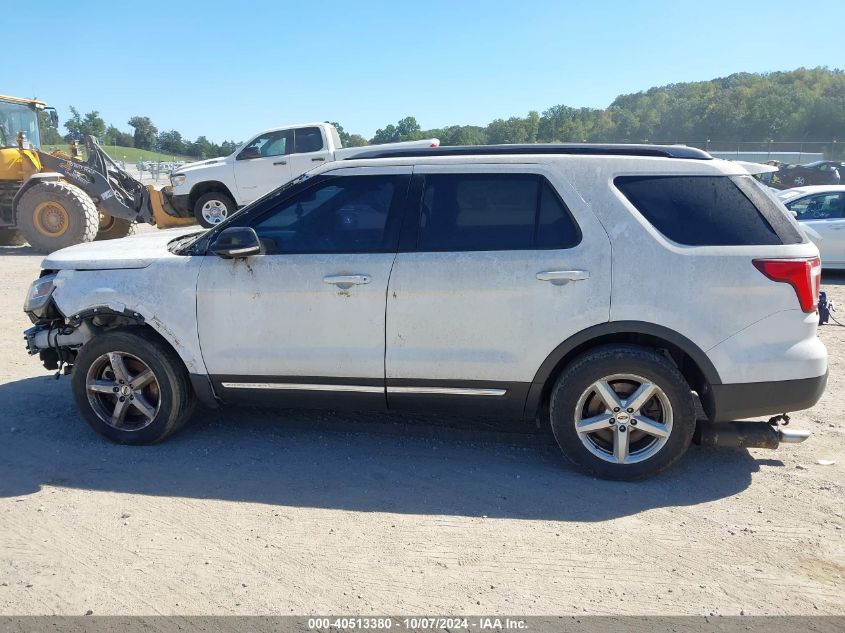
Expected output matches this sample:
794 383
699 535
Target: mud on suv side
600 289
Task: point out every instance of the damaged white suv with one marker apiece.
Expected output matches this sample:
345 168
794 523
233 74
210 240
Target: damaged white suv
603 290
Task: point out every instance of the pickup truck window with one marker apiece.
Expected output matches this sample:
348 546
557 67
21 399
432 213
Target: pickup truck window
308 139
352 214
272 144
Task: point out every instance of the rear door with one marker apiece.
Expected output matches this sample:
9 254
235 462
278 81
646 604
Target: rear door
263 165
310 150
500 265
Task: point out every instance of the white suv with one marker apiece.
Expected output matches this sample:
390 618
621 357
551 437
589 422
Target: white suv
599 289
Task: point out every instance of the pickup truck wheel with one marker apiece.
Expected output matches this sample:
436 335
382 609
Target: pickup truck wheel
212 208
55 214
112 228
131 387
622 412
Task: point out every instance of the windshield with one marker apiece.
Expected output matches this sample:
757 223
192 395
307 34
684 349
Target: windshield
17 117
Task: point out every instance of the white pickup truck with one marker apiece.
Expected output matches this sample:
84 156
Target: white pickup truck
210 190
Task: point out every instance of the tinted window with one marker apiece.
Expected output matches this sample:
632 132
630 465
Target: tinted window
698 210
308 139
822 206
351 214
491 212
555 227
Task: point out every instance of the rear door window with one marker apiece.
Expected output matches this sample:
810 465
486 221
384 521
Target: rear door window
708 210
308 139
492 212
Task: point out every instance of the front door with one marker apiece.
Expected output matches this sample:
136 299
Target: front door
263 165
304 322
499 274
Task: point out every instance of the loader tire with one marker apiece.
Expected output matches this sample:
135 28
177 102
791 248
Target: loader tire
11 237
112 228
55 214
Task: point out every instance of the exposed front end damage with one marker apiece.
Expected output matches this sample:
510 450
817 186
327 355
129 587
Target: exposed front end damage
56 340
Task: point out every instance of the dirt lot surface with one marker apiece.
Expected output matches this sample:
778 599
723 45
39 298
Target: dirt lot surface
263 512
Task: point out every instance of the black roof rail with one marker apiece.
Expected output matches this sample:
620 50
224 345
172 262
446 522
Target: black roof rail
583 149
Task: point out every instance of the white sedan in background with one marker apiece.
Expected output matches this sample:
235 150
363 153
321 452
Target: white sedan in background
821 211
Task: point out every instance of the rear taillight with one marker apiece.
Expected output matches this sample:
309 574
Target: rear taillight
804 275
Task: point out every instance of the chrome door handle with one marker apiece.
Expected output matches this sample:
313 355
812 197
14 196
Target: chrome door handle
346 281
558 277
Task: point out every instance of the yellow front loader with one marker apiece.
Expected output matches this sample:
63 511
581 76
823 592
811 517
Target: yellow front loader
53 200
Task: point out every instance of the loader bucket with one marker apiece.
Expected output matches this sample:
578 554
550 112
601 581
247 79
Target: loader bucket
164 215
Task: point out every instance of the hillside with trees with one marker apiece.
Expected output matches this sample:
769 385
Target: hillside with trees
799 105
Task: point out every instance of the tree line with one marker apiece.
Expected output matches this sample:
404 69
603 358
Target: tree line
799 105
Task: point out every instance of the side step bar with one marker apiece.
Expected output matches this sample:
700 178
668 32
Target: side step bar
746 435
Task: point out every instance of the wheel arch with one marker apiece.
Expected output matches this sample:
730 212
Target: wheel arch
108 318
207 186
696 367
34 179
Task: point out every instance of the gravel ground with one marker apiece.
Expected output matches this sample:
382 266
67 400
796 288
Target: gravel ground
277 512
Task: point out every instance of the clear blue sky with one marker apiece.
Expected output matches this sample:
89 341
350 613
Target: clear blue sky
227 69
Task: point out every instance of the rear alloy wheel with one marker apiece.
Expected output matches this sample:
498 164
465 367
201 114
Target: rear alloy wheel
131 387
622 412
212 208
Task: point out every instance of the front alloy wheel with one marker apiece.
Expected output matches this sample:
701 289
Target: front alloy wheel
123 391
131 386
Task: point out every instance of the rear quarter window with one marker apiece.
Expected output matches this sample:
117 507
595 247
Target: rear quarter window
708 210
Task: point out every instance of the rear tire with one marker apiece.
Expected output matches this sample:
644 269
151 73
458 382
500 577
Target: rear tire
11 237
155 397
55 214
112 228
635 438
213 207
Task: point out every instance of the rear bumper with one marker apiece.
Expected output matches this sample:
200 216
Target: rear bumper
736 401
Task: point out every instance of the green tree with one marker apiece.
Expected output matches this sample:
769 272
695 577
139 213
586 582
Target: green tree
170 143
406 129
145 132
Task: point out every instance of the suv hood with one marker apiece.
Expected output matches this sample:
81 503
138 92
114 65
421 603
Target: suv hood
137 251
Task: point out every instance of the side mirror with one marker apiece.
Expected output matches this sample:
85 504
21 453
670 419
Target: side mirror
54 116
249 153
236 242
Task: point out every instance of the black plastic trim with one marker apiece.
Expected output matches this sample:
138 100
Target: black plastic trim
533 401
204 390
583 149
746 400
510 405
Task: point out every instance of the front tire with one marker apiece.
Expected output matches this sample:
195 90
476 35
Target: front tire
622 412
55 214
131 387
212 208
